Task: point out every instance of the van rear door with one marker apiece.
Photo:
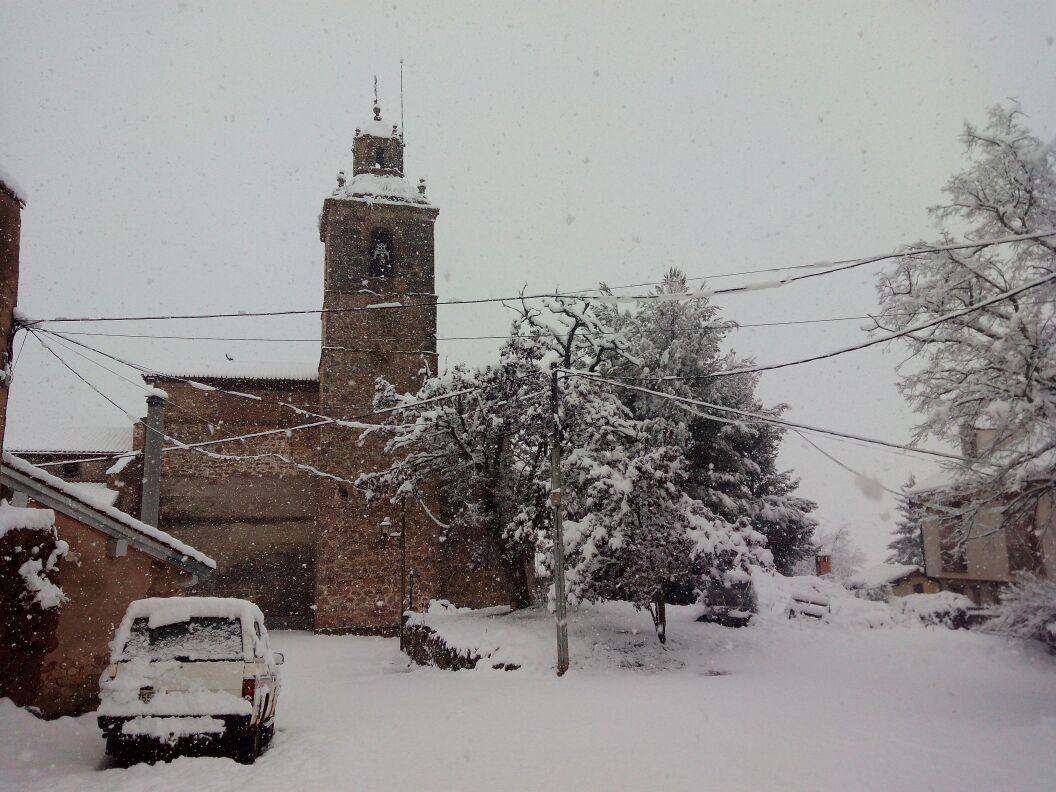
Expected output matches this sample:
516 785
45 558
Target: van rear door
198 653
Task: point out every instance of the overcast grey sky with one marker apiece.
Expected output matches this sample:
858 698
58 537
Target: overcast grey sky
176 156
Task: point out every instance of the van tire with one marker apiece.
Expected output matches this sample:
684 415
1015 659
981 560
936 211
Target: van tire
247 748
121 755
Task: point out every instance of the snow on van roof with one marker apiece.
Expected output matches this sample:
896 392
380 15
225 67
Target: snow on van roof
160 611
170 610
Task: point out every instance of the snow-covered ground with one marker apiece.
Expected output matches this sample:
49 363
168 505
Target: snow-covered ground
778 705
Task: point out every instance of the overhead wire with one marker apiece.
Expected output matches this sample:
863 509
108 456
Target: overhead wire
1008 295
760 418
822 268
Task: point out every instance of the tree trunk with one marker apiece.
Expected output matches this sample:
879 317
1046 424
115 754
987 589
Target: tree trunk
520 581
658 610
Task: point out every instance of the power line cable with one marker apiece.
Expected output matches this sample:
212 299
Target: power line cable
761 418
604 298
744 370
349 423
729 325
352 422
864 345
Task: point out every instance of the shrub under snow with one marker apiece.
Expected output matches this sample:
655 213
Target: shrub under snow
1028 609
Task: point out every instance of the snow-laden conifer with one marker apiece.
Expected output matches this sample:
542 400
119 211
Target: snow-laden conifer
732 466
906 547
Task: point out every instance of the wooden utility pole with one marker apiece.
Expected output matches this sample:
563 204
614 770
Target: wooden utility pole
560 614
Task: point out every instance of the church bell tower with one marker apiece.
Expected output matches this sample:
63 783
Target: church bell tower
377 229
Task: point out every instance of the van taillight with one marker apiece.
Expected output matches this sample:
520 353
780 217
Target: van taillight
249 688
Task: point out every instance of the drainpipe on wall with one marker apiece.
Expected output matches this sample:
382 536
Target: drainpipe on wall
153 440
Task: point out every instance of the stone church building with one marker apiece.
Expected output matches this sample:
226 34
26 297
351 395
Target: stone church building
310 550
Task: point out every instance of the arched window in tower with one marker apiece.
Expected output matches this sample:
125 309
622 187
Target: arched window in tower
382 253
379 156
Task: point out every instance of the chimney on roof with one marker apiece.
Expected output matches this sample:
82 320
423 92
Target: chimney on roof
823 564
153 440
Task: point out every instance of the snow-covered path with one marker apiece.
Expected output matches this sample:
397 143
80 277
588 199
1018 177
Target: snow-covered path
796 706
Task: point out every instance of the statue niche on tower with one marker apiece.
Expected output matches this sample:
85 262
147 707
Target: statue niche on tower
382 255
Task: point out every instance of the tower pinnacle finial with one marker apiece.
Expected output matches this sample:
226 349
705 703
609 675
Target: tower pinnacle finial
377 107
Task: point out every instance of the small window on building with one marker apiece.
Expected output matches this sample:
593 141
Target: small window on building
953 555
71 469
379 156
382 254
918 588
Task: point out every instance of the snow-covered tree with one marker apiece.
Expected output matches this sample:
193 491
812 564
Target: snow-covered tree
644 540
30 596
732 465
992 369
488 449
635 531
1027 609
906 547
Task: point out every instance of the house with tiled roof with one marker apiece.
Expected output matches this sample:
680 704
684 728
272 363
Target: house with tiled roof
106 559
73 452
70 561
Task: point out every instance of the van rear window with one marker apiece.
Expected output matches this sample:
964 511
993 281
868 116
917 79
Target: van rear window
198 638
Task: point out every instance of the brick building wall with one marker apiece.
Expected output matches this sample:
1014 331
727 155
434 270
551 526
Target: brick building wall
58 671
255 516
10 236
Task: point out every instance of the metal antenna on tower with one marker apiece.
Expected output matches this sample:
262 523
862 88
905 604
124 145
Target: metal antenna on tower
403 127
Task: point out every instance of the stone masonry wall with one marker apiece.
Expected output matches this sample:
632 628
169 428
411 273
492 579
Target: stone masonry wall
365 558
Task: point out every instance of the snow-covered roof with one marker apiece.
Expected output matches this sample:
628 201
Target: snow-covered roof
881 575
17 470
304 370
96 491
14 518
10 186
380 187
378 127
939 480
45 437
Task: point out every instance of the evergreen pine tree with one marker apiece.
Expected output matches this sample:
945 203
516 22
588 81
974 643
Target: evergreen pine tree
906 546
733 466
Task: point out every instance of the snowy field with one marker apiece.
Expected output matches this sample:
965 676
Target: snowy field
778 705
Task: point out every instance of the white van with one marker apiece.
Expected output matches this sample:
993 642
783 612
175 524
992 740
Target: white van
188 673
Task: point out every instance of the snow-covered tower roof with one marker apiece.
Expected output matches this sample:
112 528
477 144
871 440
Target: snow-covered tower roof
377 166
378 147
